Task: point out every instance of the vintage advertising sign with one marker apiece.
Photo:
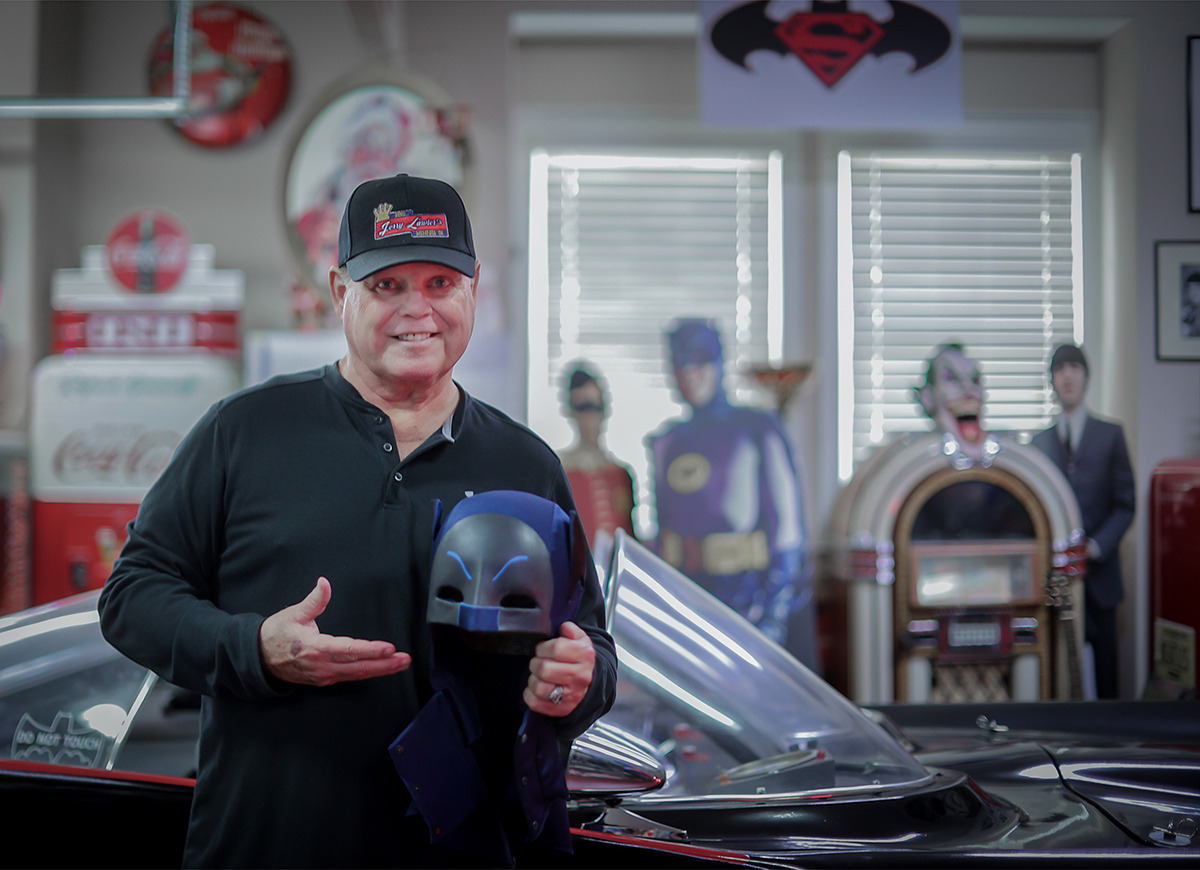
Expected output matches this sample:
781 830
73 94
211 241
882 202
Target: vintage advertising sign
241 74
103 428
371 124
816 64
148 251
1175 652
96 312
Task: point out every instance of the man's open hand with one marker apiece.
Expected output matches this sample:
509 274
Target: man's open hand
294 650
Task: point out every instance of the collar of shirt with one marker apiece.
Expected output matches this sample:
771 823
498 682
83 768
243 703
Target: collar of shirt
345 391
1076 420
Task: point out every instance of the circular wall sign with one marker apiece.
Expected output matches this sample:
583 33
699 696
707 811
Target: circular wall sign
148 251
241 74
373 124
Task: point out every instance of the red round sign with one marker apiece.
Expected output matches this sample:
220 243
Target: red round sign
241 74
148 251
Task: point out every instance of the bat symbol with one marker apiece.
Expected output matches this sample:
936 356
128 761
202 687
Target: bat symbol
830 39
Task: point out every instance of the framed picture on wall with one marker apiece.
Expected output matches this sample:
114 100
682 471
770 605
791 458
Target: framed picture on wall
371 124
1193 122
1177 300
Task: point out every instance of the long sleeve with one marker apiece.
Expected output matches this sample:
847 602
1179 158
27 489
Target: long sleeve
158 606
1122 499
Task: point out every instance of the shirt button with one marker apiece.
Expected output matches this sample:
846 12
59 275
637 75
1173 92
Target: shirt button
398 477
387 448
378 419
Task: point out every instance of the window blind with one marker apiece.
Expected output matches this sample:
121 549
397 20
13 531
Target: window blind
979 249
623 243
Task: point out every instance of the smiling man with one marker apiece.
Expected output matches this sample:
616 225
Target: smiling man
280 565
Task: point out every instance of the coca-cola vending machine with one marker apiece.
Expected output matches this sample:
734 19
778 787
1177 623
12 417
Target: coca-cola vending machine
135 369
1174 555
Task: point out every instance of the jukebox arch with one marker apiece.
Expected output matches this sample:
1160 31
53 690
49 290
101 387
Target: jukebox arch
957 577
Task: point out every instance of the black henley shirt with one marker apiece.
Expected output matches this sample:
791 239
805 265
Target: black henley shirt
276 485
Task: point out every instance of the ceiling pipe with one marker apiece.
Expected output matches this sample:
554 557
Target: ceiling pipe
174 106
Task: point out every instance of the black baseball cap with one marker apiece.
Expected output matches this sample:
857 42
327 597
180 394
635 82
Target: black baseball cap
404 219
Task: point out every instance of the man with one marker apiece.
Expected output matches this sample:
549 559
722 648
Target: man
1189 313
728 496
280 564
1092 454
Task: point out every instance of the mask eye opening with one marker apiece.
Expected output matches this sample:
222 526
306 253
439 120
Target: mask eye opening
450 593
519 600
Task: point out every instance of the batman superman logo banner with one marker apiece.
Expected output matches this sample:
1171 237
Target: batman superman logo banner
865 53
830 39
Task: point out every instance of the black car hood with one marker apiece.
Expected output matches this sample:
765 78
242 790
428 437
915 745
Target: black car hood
1153 791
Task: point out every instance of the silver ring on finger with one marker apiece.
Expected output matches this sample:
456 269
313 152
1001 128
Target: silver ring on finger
556 695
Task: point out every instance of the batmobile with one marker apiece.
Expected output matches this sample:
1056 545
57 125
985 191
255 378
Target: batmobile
721 750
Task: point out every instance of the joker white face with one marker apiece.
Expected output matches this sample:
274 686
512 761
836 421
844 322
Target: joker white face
954 396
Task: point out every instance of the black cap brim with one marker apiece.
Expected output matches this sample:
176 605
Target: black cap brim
370 262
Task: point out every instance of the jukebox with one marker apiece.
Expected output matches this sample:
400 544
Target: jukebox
957 559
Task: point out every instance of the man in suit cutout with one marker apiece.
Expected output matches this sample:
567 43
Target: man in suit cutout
1092 454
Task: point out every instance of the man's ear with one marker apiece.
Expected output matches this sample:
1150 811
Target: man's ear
337 288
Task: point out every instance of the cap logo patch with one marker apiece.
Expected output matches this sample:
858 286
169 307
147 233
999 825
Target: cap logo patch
390 223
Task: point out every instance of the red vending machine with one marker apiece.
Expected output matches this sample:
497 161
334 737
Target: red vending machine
1174 577
135 371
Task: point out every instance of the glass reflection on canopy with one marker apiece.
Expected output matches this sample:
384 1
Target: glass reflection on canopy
732 712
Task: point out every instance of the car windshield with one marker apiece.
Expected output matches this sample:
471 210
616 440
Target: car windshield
728 711
66 696
731 711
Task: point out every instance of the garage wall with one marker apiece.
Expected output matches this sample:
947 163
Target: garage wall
66 184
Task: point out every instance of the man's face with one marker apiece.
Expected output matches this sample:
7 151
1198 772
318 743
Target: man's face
1191 292
697 382
406 325
1069 380
957 394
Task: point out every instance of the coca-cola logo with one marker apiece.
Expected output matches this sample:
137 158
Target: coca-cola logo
148 251
117 454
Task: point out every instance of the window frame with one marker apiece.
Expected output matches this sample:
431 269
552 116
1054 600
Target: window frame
547 127
1067 131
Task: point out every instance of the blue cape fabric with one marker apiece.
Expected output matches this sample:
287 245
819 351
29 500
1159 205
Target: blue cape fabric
439 757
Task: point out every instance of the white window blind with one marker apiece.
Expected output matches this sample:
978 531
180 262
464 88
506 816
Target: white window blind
623 243
979 249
